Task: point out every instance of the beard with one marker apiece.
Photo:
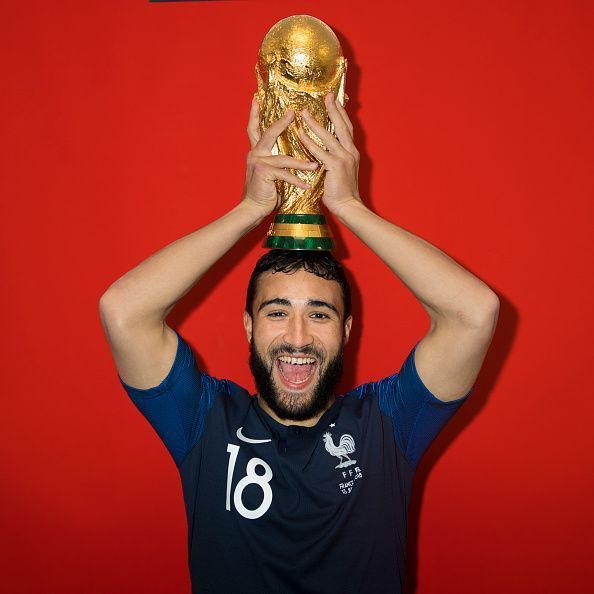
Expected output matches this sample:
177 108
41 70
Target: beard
294 406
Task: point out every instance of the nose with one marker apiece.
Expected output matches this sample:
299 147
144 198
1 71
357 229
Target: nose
297 332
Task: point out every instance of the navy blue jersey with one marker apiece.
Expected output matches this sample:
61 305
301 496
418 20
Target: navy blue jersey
277 509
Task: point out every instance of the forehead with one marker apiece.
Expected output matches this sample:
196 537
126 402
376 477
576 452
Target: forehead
296 286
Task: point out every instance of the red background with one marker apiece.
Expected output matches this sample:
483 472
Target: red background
124 129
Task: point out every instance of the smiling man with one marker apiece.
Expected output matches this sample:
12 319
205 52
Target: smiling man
297 328
297 489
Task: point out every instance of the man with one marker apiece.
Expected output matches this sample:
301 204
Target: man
296 489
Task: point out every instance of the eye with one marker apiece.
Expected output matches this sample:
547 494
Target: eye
318 315
276 314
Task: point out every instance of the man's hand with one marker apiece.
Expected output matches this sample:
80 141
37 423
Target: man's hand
340 156
263 168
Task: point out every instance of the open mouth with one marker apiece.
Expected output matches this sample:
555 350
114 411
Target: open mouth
296 373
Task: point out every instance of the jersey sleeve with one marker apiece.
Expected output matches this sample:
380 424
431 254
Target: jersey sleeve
177 407
417 415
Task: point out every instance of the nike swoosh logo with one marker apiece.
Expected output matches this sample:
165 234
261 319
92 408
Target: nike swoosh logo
241 436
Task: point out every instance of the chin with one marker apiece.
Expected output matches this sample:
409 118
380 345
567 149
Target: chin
295 405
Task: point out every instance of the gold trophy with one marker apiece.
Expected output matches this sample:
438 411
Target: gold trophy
299 62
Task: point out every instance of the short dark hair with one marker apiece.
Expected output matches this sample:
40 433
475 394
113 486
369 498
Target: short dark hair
322 264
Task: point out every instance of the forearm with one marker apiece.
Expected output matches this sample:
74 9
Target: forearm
148 292
445 289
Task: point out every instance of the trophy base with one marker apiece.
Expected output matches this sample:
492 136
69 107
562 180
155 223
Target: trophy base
299 232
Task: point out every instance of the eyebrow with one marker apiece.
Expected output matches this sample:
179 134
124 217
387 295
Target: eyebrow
309 303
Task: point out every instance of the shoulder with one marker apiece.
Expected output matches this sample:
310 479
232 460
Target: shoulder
369 398
372 389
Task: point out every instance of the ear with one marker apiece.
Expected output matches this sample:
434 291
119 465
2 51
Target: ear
247 324
347 328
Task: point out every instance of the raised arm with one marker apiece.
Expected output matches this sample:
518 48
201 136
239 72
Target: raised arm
134 308
462 309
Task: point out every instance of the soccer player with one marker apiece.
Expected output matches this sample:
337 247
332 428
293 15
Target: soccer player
296 489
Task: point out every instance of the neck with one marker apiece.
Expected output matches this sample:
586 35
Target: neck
306 423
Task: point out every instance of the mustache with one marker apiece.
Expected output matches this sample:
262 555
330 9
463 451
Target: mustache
287 349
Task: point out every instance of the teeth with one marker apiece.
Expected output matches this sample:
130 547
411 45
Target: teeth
298 361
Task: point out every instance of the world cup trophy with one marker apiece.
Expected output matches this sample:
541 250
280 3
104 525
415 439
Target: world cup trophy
299 62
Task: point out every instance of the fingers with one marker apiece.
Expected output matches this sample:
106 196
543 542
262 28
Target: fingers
343 132
342 155
289 162
328 139
285 175
336 111
345 115
270 169
312 146
253 128
267 173
275 129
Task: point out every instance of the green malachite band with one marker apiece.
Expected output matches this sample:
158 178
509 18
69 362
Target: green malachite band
312 219
284 242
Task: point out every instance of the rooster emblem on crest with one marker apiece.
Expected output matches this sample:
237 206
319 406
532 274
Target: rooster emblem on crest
345 446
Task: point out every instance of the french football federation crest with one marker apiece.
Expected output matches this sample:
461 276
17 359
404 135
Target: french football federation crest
345 446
